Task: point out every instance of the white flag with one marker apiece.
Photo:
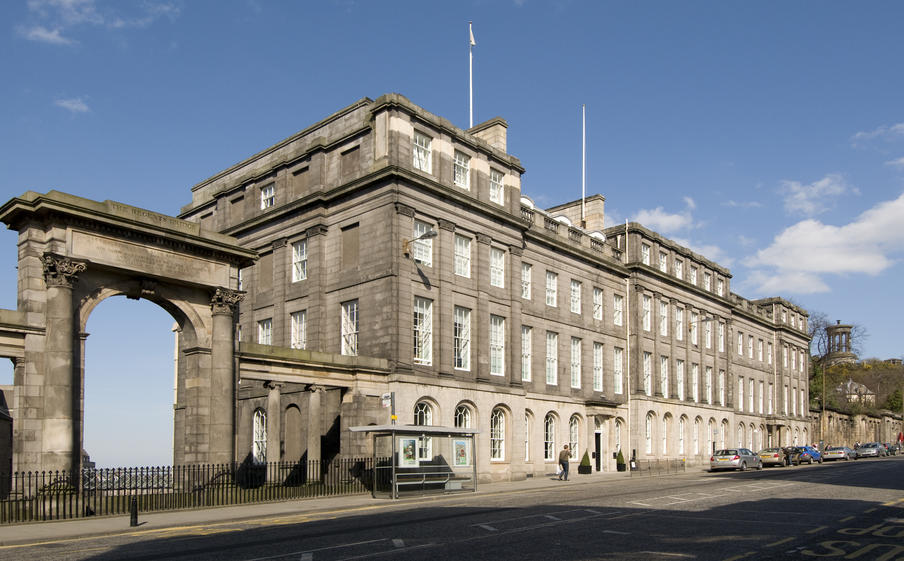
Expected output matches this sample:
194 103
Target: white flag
471 32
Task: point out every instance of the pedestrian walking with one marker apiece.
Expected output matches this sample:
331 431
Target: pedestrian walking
564 457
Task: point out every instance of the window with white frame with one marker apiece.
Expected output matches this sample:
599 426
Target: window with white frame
265 331
664 375
679 323
769 400
575 297
299 329
760 398
801 362
422 249
645 254
527 435
259 437
707 281
618 431
497 434
664 435
740 344
721 337
268 196
423 416
525 280
462 256
423 330
575 362
785 356
784 316
463 417
647 304
350 328
696 436
785 402
497 191
750 346
300 260
597 367
679 269
695 322
695 381
750 397
663 318
462 170
740 394
241 280
549 437
708 384
682 426
497 345
679 378
461 338
648 433
526 348
768 353
793 360
497 267
552 288
647 373
597 303
693 275
803 400
422 152
618 370
574 436
720 287
708 333
552 358
722 388
618 303
663 262
759 350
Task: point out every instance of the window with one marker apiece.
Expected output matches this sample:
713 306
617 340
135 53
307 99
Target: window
552 358
265 331
462 256
785 357
259 437
740 394
268 196
760 400
682 426
679 323
648 433
750 395
740 344
648 373
598 304
664 436
462 170
708 384
575 296
525 280
664 375
463 417
618 369
423 331
663 262
422 249
299 329
679 378
645 254
785 402
552 283
793 359
695 322
720 287
695 382
422 152
299 260
617 309
647 304
461 338
497 434
497 267
721 337
618 430
801 362
423 416
527 431
497 192
768 353
549 438
574 433
784 316
679 269
707 281
769 402
759 350
525 352
597 367
663 319
241 280
497 345
694 275
697 436
722 388
350 328
575 362
750 346
708 333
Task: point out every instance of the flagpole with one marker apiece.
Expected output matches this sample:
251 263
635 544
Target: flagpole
470 75
583 164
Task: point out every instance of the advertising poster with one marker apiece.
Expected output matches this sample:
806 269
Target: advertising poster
461 453
408 452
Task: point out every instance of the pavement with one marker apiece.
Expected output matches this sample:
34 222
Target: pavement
62 530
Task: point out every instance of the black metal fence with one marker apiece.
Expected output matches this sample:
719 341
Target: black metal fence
59 495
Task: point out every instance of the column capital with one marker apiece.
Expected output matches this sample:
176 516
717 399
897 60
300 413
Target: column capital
224 301
516 250
405 210
61 271
316 388
446 225
484 239
317 230
273 385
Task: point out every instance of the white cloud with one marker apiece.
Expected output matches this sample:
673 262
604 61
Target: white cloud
742 204
712 252
667 222
43 35
887 133
75 105
814 198
808 250
786 282
898 163
689 202
51 19
746 241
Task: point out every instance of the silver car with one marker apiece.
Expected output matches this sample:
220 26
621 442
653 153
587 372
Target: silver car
734 458
870 450
839 453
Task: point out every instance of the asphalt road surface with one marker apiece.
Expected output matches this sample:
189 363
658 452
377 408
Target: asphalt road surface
850 510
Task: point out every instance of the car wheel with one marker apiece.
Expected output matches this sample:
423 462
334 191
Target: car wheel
743 466
759 466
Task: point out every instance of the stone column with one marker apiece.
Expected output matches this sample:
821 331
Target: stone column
60 448
274 422
315 431
222 377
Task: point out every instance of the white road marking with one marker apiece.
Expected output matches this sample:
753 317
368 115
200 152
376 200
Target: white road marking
486 527
307 556
398 543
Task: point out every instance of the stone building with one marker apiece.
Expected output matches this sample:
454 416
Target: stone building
397 253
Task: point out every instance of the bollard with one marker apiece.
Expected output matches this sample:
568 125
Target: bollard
133 512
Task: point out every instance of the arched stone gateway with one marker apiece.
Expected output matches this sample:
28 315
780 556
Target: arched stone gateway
73 254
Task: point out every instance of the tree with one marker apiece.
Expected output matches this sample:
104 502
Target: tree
893 403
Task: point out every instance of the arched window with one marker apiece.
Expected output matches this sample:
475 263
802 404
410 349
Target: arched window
618 428
259 438
723 434
497 434
665 436
751 437
740 435
696 436
423 416
527 431
549 437
463 417
682 425
648 433
574 436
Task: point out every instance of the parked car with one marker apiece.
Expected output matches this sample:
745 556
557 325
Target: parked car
803 455
839 453
773 457
871 450
891 449
734 458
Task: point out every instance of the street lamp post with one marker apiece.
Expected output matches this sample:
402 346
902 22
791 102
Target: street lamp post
428 235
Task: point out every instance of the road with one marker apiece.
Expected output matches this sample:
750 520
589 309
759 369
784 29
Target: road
852 510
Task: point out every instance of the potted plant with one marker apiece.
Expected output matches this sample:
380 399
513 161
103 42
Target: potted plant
584 467
620 462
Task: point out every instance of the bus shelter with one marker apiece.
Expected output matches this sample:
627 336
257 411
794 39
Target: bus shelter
416 460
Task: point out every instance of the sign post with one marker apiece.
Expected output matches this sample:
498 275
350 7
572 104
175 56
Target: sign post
389 401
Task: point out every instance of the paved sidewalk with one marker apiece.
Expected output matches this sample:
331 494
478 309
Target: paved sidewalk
37 532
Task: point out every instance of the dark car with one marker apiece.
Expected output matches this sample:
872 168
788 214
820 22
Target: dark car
798 455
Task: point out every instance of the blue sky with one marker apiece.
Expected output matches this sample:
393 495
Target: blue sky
768 136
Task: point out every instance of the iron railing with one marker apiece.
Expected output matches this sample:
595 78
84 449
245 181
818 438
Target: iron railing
59 495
